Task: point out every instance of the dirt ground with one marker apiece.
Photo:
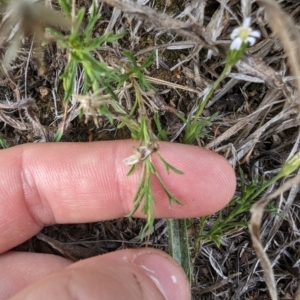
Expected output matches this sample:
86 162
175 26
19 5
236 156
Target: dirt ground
256 129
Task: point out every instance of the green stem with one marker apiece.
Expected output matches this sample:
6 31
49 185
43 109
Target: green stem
211 91
239 210
264 186
192 122
198 242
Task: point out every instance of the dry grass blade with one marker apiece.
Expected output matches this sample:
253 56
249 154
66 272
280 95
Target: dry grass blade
69 250
24 102
216 285
6 118
171 84
36 125
256 67
191 31
283 25
257 211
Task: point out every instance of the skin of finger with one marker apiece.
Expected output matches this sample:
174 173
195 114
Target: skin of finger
19 269
42 184
110 276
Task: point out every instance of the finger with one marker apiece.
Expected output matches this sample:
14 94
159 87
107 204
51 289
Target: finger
127 274
19 269
43 184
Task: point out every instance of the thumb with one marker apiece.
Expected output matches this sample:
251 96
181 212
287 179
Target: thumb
126 274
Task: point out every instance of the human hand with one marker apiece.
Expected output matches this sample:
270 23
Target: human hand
42 184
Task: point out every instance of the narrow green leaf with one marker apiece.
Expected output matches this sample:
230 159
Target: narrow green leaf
3 143
79 18
90 26
179 245
131 170
65 6
105 38
68 78
55 33
138 201
104 111
58 135
130 57
149 61
93 10
162 134
168 166
139 193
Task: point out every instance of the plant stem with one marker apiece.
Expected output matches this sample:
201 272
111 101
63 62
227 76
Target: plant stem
211 91
198 242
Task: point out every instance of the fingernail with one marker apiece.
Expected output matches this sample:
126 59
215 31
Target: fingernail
166 274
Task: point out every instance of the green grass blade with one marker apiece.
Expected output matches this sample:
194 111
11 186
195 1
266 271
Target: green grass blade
58 135
3 143
65 6
179 245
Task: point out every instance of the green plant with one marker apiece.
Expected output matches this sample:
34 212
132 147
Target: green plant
103 82
240 205
195 128
101 85
3 143
179 245
148 144
236 209
241 37
98 78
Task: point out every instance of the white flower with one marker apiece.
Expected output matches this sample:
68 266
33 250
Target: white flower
243 34
140 154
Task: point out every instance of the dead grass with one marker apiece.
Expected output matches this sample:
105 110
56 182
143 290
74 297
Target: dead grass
257 126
